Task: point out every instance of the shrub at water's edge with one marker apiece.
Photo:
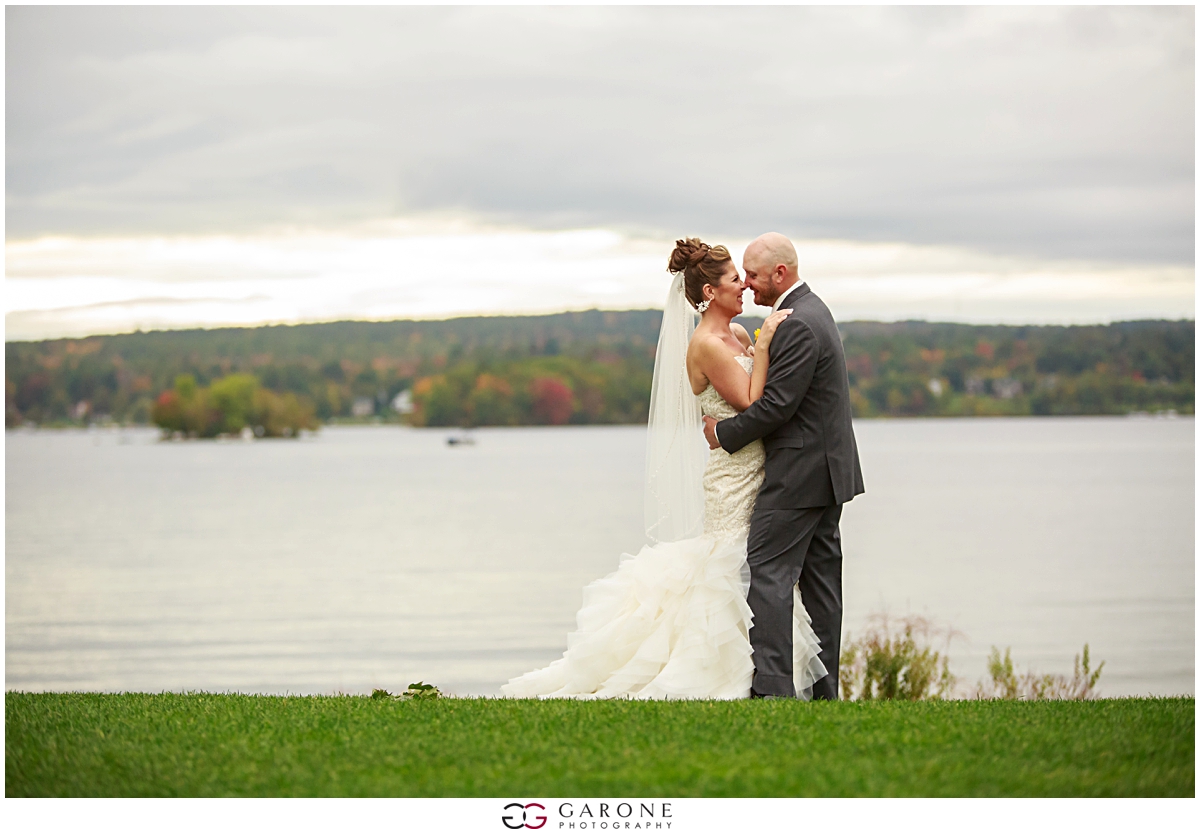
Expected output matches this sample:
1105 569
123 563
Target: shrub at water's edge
897 660
1004 683
883 664
228 406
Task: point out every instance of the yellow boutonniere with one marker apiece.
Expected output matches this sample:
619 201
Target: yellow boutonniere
757 331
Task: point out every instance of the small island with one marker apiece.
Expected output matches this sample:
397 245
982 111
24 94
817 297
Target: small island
233 405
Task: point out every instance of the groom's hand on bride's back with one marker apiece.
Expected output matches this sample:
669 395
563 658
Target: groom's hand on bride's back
710 432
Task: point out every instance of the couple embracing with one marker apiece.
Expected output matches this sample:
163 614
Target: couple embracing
740 595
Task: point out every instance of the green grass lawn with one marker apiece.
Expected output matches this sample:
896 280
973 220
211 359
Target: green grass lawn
205 745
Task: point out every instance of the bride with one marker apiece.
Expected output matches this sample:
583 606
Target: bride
672 622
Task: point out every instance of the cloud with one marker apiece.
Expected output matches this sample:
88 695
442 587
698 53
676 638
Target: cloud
1050 133
74 286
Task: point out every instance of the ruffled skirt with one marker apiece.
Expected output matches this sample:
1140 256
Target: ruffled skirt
671 623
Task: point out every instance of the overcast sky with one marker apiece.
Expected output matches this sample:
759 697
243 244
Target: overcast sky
1058 138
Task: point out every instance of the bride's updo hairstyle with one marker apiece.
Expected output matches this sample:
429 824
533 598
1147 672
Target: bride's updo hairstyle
701 265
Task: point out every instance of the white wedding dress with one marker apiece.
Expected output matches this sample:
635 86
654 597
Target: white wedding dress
672 622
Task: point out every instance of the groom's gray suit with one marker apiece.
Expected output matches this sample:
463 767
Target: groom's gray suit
804 420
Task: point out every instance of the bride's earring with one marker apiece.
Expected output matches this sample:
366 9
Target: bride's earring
703 306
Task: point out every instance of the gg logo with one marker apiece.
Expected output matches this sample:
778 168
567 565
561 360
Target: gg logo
510 819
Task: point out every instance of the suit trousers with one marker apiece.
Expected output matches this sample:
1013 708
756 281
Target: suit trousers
786 547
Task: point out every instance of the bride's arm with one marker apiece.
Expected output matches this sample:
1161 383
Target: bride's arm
726 374
722 369
762 359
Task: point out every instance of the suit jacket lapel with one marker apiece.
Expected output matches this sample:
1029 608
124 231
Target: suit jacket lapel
791 299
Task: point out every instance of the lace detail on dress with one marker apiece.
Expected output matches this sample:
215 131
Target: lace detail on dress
731 482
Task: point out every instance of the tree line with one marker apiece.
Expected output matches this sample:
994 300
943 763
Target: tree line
586 367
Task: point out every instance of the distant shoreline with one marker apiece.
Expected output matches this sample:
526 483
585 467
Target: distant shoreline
394 424
743 319
579 368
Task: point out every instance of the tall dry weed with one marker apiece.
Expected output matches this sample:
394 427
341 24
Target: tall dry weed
1004 683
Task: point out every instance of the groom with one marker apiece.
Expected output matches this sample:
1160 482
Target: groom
803 418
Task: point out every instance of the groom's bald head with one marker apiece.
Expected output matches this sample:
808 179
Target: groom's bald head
773 249
771 267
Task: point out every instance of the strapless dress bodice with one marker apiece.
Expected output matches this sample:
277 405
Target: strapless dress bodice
731 482
713 404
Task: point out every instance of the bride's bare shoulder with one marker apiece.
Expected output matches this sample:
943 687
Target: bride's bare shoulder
703 347
701 354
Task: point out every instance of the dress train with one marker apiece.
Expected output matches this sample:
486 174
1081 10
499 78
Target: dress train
671 623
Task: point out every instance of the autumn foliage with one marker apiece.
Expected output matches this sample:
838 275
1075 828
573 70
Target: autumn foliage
228 406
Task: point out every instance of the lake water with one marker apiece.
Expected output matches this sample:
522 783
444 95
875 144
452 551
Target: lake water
370 557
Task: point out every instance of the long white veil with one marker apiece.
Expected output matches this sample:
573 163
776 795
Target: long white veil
675 448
